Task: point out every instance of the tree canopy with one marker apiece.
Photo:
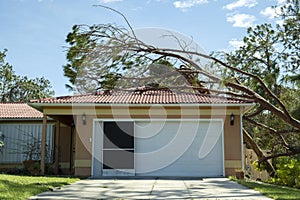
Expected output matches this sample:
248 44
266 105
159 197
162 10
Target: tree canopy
265 70
16 88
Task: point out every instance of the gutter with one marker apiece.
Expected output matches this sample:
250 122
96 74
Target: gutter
24 119
39 106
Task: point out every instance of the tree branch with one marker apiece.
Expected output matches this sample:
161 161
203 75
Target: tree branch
248 139
290 153
237 70
257 112
282 114
283 141
127 22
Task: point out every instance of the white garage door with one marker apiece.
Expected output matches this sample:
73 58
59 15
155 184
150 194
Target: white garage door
179 148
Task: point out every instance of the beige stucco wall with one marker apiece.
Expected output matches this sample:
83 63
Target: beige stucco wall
83 146
232 145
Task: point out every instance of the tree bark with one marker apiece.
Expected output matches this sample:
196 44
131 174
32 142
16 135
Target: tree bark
248 139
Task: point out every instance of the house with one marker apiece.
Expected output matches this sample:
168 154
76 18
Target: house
149 132
21 126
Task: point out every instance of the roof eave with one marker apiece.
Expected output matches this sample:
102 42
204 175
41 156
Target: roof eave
21 119
40 106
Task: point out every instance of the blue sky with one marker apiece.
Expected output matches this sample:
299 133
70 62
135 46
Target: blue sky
34 31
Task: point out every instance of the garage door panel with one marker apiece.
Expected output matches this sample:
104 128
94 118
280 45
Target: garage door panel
146 136
188 161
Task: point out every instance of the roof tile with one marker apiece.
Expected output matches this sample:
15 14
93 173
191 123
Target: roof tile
143 97
18 110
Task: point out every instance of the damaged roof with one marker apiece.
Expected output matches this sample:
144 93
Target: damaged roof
142 97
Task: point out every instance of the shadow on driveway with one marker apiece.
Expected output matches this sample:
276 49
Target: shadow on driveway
153 188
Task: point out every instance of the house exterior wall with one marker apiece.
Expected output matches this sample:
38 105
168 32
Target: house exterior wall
232 145
83 146
232 134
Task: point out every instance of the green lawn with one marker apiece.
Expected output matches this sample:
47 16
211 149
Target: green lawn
22 187
272 191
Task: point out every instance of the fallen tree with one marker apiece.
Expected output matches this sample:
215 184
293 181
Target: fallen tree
106 56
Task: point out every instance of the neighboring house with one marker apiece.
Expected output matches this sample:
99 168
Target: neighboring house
21 126
150 132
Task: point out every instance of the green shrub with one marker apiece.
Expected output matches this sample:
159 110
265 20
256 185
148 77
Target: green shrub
288 172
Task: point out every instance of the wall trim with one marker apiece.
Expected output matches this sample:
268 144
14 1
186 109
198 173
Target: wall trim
83 163
233 164
64 165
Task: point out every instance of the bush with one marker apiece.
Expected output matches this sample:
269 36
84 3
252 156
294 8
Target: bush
288 172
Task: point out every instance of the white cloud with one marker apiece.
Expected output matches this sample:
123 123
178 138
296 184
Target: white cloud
281 1
235 44
257 54
241 3
241 20
270 12
188 3
279 22
109 1
273 12
40 1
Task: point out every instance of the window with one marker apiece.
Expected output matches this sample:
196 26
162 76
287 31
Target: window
118 159
118 145
118 135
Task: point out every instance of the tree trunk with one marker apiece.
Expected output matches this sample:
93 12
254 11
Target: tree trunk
248 139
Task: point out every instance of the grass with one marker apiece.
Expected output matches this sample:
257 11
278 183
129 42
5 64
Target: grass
272 191
22 187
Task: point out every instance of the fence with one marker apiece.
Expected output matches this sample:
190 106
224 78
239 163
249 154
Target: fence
18 138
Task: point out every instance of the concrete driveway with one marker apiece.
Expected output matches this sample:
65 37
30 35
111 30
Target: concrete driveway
156 188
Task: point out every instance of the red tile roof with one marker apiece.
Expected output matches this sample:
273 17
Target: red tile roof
18 110
143 97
